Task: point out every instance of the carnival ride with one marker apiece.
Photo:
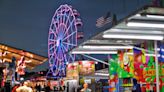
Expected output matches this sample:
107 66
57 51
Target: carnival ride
62 38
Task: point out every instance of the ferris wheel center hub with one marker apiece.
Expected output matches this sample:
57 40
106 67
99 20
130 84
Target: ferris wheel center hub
58 43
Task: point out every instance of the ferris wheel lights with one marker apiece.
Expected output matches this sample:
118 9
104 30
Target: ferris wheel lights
75 12
79 22
58 42
62 38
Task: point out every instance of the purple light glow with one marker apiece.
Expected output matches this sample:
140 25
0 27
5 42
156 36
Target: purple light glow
62 38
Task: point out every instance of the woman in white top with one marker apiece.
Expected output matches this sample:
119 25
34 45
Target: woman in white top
85 89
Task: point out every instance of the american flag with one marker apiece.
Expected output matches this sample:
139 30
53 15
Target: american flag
104 20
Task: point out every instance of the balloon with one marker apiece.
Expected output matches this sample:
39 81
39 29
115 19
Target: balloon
141 66
146 69
148 79
153 77
151 61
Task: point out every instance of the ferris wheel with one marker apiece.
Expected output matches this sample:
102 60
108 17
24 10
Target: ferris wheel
62 38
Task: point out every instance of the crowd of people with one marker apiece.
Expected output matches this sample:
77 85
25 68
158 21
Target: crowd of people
26 87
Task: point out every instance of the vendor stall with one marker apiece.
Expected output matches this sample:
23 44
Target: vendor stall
136 40
15 61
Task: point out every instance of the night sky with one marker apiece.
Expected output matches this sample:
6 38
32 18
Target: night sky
24 24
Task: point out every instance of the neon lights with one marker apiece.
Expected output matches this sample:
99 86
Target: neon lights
134 36
140 24
106 47
155 16
62 38
94 52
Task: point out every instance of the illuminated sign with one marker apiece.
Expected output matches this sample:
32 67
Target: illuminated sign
86 67
72 71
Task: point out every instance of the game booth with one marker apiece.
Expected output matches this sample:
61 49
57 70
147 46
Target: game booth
87 72
77 75
72 76
134 47
135 69
13 63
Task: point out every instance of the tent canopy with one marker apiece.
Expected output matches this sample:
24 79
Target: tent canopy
145 24
31 59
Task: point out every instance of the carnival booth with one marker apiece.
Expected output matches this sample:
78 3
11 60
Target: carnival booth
102 80
15 61
77 73
87 72
136 43
72 76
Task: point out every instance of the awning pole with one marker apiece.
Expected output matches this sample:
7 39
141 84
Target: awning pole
149 51
156 65
95 59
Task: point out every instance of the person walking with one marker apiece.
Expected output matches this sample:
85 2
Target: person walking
15 87
85 89
47 88
24 88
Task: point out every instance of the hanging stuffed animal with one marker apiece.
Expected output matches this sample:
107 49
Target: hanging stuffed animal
126 63
21 66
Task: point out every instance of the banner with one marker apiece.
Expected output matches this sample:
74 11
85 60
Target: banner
72 71
86 68
125 60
